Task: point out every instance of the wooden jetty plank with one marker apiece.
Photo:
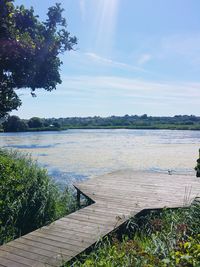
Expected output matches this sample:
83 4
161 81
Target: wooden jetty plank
62 239
112 224
25 247
82 228
52 249
35 250
100 211
104 209
95 211
94 218
52 259
28 255
69 237
130 189
85 220
21 259
10 263
68 247
117 196
123 190
71 234
74 230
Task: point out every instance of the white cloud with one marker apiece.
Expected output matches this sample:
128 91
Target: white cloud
104 95
127 87
102 60
98 58
124 87
106 19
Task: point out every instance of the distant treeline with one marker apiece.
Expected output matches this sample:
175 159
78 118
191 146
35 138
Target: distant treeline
179 122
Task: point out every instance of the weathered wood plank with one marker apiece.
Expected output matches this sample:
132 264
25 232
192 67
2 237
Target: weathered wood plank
10 263
60 245
21 259
85 220
95 219
51 248
28 255
28 248
62 239
52 258
68 235
75 235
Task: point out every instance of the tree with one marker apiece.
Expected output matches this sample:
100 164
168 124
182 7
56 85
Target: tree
8 98
56 124
29 51
35 122
14 124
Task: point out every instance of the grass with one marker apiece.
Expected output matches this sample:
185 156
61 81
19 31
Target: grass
165 238
29 198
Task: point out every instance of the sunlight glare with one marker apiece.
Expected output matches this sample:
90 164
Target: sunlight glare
107 11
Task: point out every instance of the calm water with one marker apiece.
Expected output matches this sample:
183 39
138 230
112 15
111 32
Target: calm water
78 154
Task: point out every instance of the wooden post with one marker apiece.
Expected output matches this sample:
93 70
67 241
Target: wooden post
78 198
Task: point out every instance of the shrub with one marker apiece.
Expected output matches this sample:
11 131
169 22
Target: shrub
28 197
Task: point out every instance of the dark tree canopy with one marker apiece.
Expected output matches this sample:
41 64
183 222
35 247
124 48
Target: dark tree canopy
14 124
29 51
35 122
9 100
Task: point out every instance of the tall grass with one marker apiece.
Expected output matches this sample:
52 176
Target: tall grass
28 197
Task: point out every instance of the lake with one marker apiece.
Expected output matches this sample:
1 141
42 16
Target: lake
78 154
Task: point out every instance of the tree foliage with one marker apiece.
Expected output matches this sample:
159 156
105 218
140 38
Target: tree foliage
128 121
9 100
35 122
29 51
179 122
14 124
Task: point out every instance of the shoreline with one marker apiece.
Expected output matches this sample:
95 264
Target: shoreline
105 128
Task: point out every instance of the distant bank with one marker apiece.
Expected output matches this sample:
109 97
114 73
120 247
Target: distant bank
177 122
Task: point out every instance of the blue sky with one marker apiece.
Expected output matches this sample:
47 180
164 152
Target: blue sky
132 57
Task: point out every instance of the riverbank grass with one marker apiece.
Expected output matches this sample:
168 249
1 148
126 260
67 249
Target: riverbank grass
29 198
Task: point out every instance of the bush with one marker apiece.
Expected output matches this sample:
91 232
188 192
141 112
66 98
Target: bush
28 197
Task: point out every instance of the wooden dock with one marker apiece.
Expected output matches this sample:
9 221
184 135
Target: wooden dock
117 197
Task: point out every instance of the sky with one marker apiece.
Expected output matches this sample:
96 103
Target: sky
133 57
